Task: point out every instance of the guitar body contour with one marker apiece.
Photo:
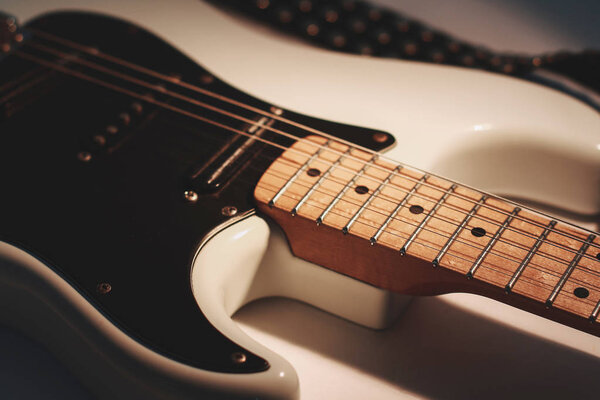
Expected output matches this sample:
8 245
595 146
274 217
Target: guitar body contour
118 240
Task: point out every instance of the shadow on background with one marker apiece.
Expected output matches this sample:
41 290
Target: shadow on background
29 371
530 26
436 350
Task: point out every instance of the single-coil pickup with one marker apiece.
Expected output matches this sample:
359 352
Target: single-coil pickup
214 174
112 134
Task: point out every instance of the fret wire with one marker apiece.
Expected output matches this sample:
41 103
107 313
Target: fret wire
347 186
524 233
464 222
530 222
546 256
513 280
424 221
435 264
487 248
373 239
371 197
502 256
569 271
534 223
320 180
119 61
297 174
594 314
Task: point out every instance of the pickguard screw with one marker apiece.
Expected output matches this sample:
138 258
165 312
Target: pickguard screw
103 288
229 211
238 357
380 137
190 196
84 156
276 110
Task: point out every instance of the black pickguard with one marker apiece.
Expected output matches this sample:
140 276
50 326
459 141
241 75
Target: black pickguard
121 217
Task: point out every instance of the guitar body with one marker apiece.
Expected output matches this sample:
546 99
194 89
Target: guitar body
123 256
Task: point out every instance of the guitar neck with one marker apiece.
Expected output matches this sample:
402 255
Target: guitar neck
408 231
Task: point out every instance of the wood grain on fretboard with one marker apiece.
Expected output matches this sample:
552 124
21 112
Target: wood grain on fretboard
359 214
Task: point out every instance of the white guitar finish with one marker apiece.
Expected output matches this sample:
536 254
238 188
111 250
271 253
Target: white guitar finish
261 266
493 132
245 273
107 360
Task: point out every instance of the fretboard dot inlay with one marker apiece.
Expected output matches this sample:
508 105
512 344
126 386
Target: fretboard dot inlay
598 256
361 189
416 209
478 232
581 292
313 172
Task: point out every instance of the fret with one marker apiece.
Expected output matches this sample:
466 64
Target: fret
594 315
513 280
424 221
324 176
341 193
390 217
487 248
569 270
465 221
346 228
293 178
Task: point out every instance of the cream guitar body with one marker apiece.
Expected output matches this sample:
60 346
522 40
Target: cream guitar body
499 134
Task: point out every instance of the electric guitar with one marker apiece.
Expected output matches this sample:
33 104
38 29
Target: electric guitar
137 185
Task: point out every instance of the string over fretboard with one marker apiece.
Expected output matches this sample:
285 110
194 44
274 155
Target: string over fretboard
445 224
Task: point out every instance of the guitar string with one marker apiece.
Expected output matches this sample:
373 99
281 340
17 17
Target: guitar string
215 109
23 87
451 252
562 233
97 53
138 96
83 76
18 80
